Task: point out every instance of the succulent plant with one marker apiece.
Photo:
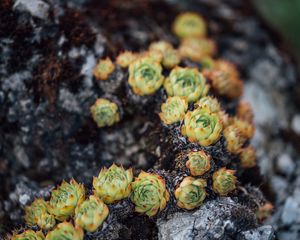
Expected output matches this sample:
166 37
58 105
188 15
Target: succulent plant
29 235
103 69
186 82
65 231
125 58
209 102
113 184
173 110
189 24
37 214
190 193
225 80
149 193
105 113
248 157
234 139
224 181
161 46
91 213
198 163
244 111
171 58
197 49
65 198
145 76
202 126
246 128
264 211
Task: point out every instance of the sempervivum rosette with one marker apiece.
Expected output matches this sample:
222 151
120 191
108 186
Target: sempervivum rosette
190 193
29 235
149 193
248 157
234 139
173 110
209 102
103 69
113 184
202 126
65 231
198 163
145 76
105 113
91 213
65 198
37 214
186 82
224 181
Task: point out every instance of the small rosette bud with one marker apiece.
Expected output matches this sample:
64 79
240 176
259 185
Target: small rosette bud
189 24
124 59
29 235
91 214
149 193
105 113
65 198
202 126
244 111
197 49
264 211
103 69
65 231
190 193
113 184
37 214
234 139
224 181
173 110
145 76
198 163
225 80
209 102
186 82
248 157
161 46
247 129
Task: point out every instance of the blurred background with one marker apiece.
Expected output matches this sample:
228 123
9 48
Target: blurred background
284 17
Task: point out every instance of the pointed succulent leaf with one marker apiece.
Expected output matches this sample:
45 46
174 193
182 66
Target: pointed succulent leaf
29 235
65 231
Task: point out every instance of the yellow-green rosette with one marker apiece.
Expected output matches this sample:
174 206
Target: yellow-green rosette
198 163
149 193
65 231
113 184
105 113
171 58
161 46
65 198
103 69
191 193
173 110
37 214
189 24
209 102
29 235
202 126
91 214
186 82
234 139
125 58
246 128
248 157
224 181
145 76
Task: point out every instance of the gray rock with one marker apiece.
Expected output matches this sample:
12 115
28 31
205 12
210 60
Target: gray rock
261 233
285 164
295 124
290 211
36 8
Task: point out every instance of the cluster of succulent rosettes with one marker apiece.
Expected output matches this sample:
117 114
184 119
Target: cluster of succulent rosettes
105 113
91 213
224 181
191 193
65 231
113 184
149 193
29 235
173 110
103 69
65 198
145 76
37 214
202 126
186 82
198 163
